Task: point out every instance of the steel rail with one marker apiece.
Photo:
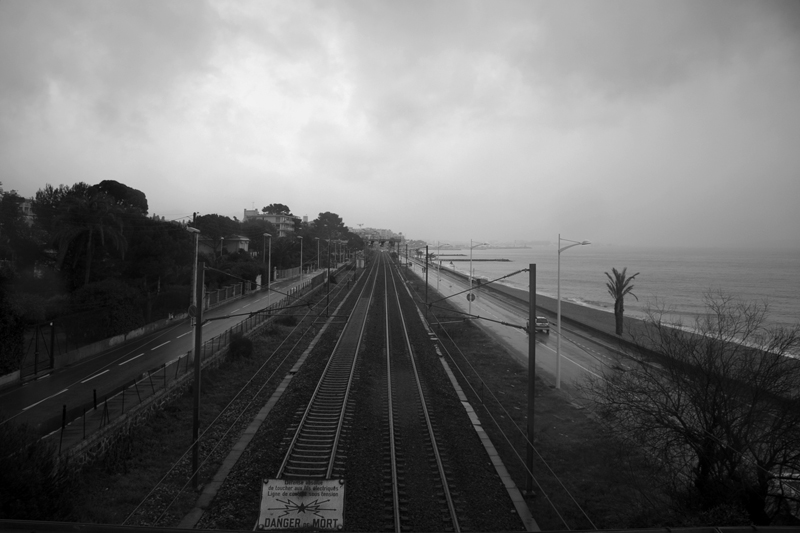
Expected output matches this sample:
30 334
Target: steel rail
312 450
392 436
424 406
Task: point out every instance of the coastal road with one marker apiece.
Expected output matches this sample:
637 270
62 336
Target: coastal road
580 356
38 402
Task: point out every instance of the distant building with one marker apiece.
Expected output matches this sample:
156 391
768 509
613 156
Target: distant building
284 223
231 244
380 236
27 212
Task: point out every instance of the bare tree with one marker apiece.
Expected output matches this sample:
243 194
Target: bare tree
717 404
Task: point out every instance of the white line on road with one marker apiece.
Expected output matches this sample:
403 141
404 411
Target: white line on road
571 361
40 401
131 359
159 346
248 305
229 314
91 378
183 334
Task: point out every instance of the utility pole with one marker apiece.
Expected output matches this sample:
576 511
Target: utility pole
198 348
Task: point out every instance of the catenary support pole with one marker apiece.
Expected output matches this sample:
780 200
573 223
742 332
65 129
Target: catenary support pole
531 372
426 279
198 347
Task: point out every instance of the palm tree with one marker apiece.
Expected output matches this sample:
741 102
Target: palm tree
618 287
82 221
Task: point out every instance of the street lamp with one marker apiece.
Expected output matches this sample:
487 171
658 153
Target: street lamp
469 296
269 265
439 266
558 306
317 239
301 258
328 279
194 266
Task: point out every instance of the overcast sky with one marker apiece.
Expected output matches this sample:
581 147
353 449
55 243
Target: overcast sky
673 123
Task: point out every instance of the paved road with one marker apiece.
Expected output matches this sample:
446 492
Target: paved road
39 401
580 354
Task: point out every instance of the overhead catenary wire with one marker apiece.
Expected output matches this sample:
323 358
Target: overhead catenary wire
178 461
523 433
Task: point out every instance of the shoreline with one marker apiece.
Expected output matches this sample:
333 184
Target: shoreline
600 321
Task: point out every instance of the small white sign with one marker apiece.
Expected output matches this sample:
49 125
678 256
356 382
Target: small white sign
302 504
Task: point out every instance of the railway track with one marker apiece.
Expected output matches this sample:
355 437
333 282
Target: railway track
416 490
313 448
413 451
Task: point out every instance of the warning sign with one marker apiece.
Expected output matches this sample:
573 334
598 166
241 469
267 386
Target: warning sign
302 504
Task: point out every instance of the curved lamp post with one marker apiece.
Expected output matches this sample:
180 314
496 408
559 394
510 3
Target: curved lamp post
269 265
558 306
439 266
301 258
194 266
469 295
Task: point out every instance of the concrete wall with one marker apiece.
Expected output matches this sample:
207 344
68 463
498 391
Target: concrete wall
84 352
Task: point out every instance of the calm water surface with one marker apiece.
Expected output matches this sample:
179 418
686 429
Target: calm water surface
676 278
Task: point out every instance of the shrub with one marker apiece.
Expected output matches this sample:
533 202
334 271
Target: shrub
114 308
32 485
287 320
240 346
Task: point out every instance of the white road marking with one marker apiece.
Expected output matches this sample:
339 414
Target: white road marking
96 375
183 334
40 401
581 366
131 359
159 346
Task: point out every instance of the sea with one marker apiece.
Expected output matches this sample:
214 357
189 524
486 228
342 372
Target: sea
676 280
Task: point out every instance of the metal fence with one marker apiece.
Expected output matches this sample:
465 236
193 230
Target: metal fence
44 342
75 424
